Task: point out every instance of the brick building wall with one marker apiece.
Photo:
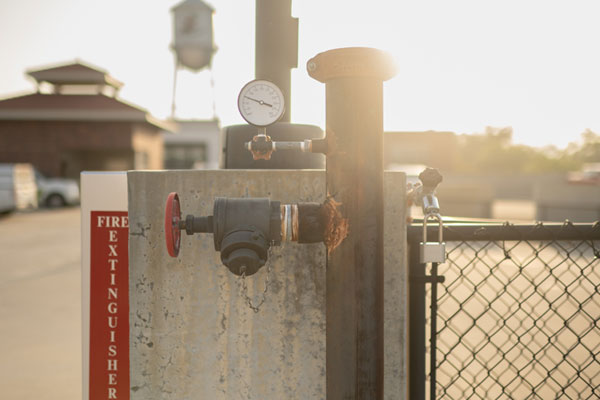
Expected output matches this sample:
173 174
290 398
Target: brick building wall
65 148
148 147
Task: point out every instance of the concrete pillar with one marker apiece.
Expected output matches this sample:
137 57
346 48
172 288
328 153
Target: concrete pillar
192 336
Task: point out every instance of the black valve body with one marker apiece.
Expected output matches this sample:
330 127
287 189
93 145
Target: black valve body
244 229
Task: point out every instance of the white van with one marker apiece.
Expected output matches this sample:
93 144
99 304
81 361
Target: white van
18 190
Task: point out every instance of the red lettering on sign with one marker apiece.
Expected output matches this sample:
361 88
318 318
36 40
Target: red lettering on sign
109 306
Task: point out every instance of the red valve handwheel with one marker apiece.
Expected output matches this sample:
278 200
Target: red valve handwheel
172 218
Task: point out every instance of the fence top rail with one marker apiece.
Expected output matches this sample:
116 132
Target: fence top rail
488 231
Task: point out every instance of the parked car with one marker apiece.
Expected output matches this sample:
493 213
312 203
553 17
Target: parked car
56 192
18 188
589 175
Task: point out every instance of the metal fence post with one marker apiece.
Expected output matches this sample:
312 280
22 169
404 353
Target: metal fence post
416 322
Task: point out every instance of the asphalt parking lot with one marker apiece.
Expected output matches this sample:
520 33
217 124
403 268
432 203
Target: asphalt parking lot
40 305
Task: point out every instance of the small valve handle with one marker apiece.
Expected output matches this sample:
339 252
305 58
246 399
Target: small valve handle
172 224
261 147
431 178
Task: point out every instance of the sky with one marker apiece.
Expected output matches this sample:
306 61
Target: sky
462 64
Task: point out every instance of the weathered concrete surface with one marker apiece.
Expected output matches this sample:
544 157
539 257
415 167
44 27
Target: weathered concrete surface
395 323
191 334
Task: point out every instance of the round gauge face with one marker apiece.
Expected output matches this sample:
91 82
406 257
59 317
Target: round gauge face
261 103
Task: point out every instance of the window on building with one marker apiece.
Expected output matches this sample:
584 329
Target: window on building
186 156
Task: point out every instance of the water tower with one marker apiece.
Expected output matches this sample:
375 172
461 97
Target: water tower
193 42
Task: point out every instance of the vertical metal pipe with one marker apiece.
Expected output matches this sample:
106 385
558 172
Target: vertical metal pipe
353 80
433 333
276 49
416 322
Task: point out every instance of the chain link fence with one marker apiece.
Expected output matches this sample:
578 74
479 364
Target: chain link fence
518 314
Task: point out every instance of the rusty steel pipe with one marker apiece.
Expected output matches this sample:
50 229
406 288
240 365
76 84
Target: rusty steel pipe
353 228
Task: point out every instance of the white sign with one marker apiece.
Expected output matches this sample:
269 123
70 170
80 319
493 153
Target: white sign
105 286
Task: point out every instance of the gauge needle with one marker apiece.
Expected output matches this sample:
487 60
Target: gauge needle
262 103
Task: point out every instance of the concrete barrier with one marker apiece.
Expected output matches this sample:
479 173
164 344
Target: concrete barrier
503 185
466 200
561 201
192 336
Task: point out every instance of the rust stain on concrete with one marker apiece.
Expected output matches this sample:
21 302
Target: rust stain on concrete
336 227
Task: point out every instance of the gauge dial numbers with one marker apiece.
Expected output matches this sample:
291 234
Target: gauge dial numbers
261 103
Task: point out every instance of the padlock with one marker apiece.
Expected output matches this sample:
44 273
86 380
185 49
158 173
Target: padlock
433 252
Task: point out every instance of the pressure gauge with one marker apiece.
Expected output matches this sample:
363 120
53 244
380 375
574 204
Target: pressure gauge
261 103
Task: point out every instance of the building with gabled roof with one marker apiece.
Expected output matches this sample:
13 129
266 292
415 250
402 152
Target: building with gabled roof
76 122
77 73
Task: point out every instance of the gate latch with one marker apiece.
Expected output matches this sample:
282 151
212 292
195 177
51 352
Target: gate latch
433 252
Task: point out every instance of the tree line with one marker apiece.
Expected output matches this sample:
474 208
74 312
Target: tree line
493 151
